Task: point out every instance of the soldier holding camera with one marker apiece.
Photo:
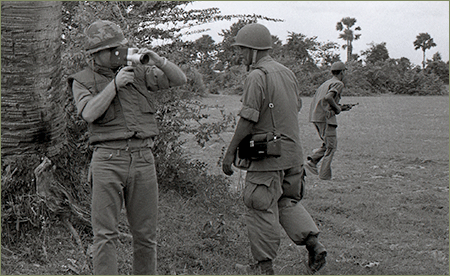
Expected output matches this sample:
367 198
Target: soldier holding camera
113 95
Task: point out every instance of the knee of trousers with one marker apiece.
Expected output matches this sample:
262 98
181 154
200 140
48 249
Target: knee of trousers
331 143
264 233
297 223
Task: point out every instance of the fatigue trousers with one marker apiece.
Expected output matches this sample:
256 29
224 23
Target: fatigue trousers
328 135
273 201
124 177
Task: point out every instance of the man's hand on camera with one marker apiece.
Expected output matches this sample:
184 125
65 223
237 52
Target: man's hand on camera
125 76
155 59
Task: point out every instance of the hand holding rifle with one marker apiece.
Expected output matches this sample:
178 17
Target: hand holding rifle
347 107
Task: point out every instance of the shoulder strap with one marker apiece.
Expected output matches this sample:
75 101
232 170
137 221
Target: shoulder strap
270 96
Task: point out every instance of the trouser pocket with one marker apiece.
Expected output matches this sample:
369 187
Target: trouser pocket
262 189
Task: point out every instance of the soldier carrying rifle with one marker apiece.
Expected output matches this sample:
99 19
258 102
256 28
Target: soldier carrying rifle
324 108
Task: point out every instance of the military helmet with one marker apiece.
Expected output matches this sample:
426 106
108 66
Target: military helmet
338 66
254 36
103 34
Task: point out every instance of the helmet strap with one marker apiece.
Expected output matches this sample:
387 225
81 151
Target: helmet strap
254 54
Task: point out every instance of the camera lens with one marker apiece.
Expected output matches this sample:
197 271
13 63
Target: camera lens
144 59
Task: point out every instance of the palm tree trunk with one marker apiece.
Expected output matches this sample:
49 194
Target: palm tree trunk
349 51
31 88
423 61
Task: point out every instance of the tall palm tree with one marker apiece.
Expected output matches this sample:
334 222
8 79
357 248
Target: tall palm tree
31 90
348 34
423 41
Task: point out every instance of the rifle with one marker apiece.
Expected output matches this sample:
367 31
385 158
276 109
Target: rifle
347 107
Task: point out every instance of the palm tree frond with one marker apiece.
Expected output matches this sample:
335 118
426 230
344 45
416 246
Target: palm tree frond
348 34
424 41
348 21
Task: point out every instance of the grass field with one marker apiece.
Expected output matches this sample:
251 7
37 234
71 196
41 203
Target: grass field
386 209
385 212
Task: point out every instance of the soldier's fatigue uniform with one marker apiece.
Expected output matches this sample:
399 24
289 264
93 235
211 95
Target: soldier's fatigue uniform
122 168
274 186
325 121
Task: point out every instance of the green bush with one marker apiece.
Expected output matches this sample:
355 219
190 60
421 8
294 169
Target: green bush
439 68
180 114
383 77
390 76
230 81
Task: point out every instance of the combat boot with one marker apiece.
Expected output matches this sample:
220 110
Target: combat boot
316 254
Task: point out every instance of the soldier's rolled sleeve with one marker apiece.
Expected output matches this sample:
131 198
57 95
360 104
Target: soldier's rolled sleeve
81 96
249 113
156 79
253 97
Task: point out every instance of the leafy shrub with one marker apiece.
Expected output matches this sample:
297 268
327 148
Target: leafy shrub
438 68
382 77
179 114
230 81
310 79
391 77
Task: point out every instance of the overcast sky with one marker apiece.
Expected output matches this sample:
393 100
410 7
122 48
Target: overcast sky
395 22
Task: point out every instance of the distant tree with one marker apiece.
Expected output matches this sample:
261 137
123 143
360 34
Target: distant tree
423 41
376 52
206 50
438 67
300 47
277 46
404 64
345 25
326 53
437 57
308 50
356 57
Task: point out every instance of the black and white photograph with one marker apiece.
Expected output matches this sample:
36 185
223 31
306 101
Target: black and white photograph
225 137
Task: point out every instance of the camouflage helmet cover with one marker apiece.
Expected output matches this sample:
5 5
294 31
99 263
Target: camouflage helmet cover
103 34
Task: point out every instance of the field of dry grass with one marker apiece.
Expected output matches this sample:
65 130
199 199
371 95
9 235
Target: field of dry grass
386 209
385 212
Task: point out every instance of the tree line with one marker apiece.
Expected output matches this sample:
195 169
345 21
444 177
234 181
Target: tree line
212 66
